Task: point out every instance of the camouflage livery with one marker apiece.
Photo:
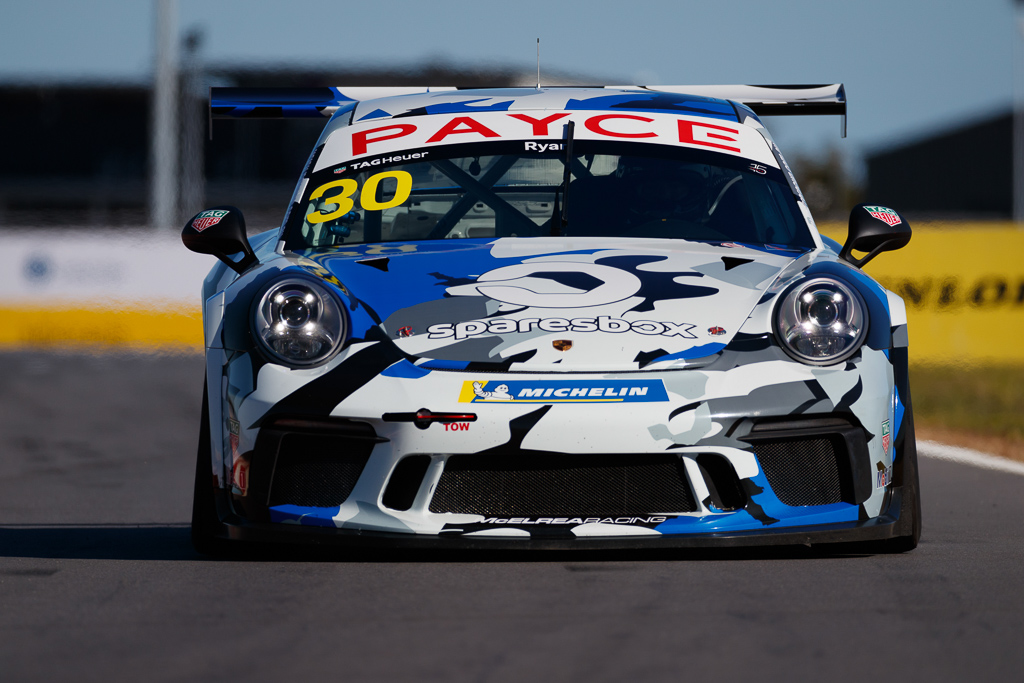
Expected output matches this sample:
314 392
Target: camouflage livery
568 347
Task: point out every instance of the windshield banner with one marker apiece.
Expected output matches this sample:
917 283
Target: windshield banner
413 135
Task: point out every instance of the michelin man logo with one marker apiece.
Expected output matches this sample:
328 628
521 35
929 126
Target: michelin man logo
500 392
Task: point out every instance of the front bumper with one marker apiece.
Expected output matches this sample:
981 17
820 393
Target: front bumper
893 523
712 422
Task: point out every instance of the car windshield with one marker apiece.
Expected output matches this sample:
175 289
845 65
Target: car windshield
521 190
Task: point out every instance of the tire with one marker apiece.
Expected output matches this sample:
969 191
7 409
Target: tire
204 506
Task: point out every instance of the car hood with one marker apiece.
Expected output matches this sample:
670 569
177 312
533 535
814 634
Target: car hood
555 304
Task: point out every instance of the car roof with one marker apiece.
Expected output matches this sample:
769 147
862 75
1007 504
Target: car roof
418 120
554 98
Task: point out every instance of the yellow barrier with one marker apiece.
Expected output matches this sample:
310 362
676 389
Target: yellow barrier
174 329
963 284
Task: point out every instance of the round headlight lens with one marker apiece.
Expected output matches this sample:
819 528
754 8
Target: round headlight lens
821 321
299 322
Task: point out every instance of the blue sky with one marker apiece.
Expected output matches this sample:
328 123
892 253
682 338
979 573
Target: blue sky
911 67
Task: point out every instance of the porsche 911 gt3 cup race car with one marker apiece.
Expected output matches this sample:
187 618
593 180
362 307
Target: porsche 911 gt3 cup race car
551 318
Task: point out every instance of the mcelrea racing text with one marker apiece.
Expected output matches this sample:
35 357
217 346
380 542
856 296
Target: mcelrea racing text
575 520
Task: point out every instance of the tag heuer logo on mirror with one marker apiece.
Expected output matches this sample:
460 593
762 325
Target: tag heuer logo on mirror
207 218
883 214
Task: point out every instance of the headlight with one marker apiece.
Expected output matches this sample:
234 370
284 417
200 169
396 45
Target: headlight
299 322
821 321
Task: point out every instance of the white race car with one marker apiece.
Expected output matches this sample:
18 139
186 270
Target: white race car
550 318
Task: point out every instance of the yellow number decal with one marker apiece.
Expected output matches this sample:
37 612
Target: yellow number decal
368 198
348 188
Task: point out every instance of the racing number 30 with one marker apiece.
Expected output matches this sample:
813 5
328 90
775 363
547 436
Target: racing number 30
367 198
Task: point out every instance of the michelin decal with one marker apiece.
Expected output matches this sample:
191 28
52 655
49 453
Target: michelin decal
577 391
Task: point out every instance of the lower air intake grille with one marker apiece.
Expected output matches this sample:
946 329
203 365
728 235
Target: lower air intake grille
316 470
558 485
802 471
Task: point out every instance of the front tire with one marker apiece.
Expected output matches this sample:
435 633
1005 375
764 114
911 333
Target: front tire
204 506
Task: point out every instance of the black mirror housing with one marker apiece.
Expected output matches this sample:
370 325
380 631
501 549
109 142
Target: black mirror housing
874 229
220 231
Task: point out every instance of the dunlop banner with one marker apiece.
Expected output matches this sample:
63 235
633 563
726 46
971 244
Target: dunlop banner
964 289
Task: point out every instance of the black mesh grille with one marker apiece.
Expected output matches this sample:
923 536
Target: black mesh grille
316 470
558 485
801 471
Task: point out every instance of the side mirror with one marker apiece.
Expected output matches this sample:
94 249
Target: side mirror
220 231
874 229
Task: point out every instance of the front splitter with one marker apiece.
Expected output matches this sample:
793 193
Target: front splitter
236 530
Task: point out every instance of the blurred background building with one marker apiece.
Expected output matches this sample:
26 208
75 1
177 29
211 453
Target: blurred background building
963 173
83 154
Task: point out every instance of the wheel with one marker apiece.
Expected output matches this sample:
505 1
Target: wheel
204 506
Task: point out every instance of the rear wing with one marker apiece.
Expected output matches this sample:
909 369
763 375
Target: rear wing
274 103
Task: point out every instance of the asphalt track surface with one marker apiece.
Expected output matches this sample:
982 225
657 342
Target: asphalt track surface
98 580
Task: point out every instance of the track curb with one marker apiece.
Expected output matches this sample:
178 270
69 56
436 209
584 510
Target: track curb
967 456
